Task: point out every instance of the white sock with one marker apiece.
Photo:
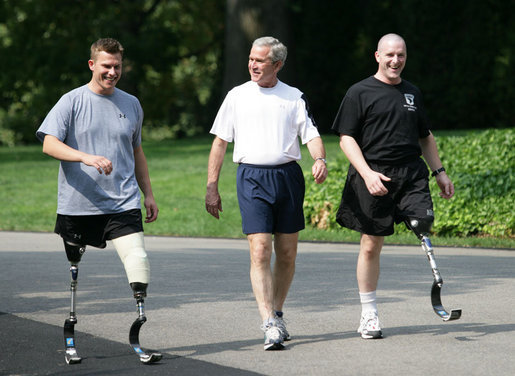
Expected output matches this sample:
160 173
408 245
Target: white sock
368 301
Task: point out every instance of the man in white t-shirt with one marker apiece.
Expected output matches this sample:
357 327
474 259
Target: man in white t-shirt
265 119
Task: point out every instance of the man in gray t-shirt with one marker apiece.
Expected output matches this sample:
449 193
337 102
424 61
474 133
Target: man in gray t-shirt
95 131
106 125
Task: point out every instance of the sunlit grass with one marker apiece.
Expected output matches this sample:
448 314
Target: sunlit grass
28 190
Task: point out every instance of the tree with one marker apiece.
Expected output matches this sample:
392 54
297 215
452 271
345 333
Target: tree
246 20
182 56
171 60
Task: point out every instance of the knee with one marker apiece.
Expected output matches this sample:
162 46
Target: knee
74 251
370 246
369 253
260 253
286 256
420 226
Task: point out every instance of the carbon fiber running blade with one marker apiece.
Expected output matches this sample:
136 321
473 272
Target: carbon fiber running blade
70 355
144 356
134 334
436 301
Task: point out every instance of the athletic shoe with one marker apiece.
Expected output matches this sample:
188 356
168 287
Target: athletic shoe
369 326
273 336
281 324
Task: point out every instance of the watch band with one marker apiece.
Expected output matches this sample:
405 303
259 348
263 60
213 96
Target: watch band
321 159
437 171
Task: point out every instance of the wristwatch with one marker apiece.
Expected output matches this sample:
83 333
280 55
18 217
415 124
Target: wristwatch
437 171
321 159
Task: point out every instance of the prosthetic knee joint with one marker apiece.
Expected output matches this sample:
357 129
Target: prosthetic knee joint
74 253
140 291
420 226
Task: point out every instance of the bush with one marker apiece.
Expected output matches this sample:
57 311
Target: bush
481 165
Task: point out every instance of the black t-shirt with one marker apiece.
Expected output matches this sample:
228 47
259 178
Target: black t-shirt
385 120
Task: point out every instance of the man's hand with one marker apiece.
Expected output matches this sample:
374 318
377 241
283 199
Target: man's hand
319 171
445 184
374 182
151 209
102 164
213 202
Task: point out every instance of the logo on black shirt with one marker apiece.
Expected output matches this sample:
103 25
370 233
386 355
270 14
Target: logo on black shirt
410 100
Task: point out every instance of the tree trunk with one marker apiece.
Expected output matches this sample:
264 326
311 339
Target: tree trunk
247 20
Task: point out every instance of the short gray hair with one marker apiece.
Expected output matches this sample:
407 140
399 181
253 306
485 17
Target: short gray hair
278 51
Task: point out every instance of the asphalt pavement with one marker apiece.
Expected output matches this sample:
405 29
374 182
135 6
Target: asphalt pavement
203 318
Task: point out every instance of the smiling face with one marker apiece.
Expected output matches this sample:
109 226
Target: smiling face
107 70
261 68
391 58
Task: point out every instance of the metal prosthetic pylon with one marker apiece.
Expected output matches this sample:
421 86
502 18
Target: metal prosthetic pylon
71 355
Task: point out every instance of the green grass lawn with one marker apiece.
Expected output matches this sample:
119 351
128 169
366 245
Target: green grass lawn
28 188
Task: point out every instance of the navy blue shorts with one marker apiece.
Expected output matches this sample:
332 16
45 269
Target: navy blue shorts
95 230
408 196
271 198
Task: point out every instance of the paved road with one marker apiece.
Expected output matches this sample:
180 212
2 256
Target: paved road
202 315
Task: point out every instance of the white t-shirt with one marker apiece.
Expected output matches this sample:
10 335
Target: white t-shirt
264 123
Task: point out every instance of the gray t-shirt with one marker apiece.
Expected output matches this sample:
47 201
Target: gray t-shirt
109 126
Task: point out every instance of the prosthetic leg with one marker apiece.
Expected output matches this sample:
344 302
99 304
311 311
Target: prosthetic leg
421 228
131 250
140 291
74 253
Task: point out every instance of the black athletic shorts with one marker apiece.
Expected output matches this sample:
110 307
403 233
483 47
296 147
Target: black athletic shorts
408 196
271 198
95 230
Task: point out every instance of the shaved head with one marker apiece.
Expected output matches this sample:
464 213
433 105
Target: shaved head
389 39
391 58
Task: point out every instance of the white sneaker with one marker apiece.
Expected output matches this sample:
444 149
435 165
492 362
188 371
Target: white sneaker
280 322
369 326
273 336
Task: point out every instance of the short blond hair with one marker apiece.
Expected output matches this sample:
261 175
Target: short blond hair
108 45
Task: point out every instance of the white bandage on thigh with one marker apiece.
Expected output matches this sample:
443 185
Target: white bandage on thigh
131 249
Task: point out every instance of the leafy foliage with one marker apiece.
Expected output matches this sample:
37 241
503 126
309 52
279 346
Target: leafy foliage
174 59
172 50
482 168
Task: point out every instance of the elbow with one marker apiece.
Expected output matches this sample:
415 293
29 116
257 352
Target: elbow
48 143
46 149
345 140
220 144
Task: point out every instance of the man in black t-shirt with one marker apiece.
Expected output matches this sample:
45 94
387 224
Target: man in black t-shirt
383 132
